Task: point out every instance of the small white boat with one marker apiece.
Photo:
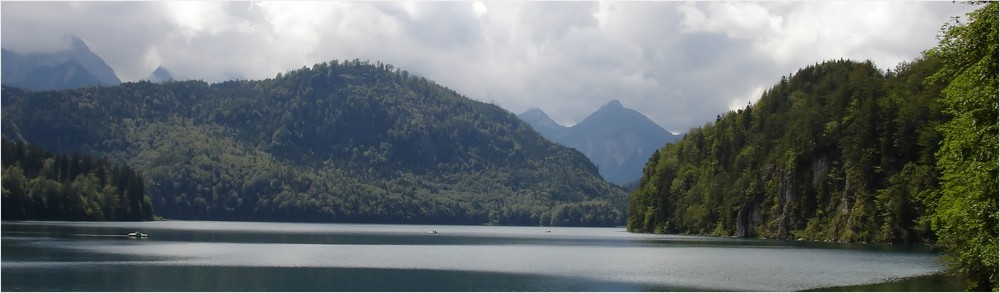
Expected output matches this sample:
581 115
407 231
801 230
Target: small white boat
137 234
433 232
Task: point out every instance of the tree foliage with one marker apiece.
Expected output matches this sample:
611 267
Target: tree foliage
841 151
39 185
966 214
349 141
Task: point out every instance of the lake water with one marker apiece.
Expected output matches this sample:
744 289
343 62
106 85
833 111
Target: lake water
250 256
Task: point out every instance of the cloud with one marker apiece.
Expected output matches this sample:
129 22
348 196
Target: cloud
681 64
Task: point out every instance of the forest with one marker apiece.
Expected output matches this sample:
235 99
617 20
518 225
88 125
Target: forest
842 151
40 185
350 141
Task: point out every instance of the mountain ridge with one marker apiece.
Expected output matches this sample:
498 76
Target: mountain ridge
542 123
46 71
618 139
345 141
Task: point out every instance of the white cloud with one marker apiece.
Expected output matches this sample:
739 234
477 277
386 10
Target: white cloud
479 8
735 19
681 64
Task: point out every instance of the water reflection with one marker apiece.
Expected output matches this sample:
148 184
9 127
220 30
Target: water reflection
233 256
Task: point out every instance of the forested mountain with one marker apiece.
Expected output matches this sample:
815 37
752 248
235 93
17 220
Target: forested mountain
619 140
841 151
67 69
341 141
838 151
39 185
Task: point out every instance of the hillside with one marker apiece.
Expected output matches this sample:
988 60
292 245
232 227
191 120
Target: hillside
617 139
838 151
842 151
339 142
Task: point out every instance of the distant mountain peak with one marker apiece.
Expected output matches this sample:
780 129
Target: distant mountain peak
613 104
78 45
535 113
542 123
70 68
160 74
618 139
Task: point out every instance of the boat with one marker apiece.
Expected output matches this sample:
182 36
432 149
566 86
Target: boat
433 232
137 234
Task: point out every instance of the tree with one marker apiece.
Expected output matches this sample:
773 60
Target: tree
351 141
965 218
35 188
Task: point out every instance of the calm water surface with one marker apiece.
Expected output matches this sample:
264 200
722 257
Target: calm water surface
250 256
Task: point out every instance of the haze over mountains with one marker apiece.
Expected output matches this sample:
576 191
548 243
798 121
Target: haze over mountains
72 68
619 140
160 74
66 69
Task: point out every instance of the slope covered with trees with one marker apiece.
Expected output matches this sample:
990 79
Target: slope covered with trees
827 154
341 141
841 151
39 185
965 215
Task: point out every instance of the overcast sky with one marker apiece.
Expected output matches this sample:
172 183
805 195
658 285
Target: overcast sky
679 63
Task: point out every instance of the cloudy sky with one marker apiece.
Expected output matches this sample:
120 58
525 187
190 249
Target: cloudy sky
680 63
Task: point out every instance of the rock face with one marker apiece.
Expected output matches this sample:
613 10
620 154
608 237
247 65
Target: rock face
71 68
617 139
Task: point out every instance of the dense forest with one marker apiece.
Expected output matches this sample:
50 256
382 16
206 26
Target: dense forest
833 153
39 185
842 151
346 141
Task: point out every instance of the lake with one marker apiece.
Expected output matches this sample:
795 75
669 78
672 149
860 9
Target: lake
252 256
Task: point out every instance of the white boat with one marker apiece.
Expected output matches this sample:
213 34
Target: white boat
137 234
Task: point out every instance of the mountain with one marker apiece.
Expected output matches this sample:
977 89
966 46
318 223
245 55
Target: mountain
619 140
845 152
64 76
339 142
160 74
542 123
839 151
66 69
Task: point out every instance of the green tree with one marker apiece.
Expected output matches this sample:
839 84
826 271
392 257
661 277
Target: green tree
343 141
35 188
965 218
